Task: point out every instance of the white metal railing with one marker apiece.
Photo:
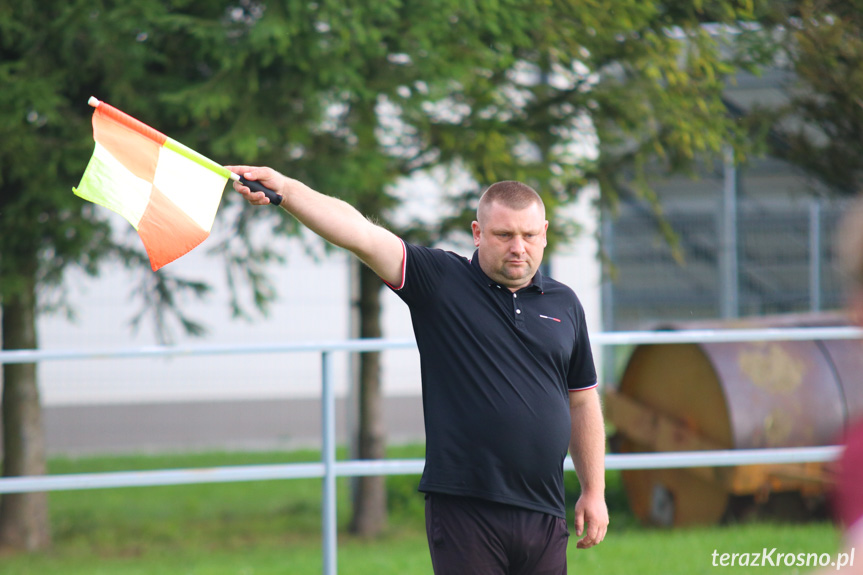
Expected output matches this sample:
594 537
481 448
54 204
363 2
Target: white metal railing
329 469
356 468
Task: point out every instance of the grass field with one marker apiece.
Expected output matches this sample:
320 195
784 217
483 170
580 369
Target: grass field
274 527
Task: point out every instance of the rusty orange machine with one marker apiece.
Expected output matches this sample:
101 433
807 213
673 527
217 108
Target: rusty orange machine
742 395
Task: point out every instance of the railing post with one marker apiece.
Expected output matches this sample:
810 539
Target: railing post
729 264
815 255
328 454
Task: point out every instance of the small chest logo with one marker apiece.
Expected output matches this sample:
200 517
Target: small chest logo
548 317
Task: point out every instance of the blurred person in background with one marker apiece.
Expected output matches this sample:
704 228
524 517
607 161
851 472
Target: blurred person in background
848 492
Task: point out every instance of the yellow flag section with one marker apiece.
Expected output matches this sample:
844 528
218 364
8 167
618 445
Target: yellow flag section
168 192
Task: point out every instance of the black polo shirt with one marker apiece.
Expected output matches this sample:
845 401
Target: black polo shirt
497 369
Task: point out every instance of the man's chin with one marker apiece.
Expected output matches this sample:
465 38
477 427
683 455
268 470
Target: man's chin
519 269
517 275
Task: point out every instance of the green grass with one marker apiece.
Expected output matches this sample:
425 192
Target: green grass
274 527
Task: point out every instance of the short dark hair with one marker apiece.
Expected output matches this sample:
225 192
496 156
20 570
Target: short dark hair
512 194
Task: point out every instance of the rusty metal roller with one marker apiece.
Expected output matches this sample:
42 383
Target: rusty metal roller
682 397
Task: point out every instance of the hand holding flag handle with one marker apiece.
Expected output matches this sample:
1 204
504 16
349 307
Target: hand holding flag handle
274 198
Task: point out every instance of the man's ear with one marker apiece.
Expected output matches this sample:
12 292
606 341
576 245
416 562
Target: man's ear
474 226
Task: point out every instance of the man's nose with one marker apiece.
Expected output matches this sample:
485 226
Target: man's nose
517 245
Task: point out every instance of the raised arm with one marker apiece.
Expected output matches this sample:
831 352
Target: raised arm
331 218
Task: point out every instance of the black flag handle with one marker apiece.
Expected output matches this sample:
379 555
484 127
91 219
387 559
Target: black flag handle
255 186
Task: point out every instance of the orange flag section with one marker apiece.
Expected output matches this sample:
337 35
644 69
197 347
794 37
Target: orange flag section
167 232
137 152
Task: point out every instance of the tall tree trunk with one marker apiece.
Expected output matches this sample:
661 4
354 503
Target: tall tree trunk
370 499
24 523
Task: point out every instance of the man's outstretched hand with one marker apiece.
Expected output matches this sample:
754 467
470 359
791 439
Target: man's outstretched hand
265 176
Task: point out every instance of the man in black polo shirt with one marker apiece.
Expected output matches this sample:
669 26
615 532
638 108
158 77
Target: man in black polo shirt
508 379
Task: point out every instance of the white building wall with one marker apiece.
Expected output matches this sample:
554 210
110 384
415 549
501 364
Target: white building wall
312 306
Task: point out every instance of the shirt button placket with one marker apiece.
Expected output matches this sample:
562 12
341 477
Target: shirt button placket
518 318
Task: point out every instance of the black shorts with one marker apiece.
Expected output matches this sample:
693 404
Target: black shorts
479 537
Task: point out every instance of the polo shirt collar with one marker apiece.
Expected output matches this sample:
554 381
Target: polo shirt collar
536 284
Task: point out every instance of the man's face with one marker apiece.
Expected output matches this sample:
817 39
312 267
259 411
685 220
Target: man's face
511 243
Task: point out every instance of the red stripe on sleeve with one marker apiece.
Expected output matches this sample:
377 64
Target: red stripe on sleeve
404 267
